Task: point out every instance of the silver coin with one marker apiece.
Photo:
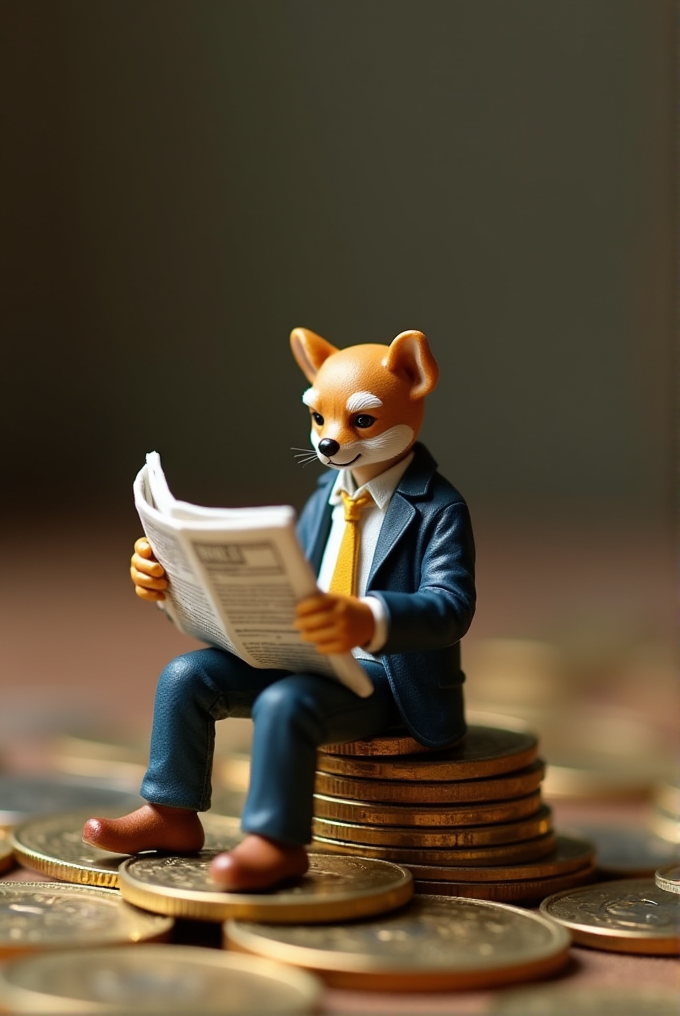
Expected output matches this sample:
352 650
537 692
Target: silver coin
23 797
668 878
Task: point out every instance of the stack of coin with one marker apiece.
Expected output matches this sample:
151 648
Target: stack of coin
467 821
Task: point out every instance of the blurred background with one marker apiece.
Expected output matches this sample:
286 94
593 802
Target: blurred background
183 183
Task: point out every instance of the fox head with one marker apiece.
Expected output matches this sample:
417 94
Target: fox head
366 402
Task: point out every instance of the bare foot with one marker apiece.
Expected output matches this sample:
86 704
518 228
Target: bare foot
258 863
151 827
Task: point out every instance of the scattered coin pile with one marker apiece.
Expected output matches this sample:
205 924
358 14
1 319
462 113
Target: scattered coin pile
468 821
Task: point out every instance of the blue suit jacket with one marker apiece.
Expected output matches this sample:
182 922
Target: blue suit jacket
423 571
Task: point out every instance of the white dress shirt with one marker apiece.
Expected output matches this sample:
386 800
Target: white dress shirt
381 488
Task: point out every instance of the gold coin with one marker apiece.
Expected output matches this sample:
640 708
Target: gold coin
507 854
484 751
388 744
429 816
52 915
630 916
509 892
593 1000
334 889
6 853
668 878
54 847
436 943
501 788
158 978
447 839
568 855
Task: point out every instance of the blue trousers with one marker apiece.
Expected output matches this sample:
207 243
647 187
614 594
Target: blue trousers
292 713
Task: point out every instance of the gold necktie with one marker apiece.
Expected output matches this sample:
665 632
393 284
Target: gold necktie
344 579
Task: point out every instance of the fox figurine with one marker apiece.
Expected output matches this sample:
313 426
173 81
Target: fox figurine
391 542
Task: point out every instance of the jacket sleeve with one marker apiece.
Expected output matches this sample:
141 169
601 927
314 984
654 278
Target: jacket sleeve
436 604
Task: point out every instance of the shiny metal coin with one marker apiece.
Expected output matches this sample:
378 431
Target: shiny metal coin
594 1000
483 752
429 816
106 754
54 847
526 891
626 849
388 744
162 979
668 878
447 839
35 916
629 915
334 889
510 853
436 943
24 797
500 788
569 855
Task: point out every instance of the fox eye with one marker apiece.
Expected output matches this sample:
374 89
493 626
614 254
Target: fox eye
318 419
364 420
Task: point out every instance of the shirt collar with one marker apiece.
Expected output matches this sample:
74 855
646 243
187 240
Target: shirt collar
381 487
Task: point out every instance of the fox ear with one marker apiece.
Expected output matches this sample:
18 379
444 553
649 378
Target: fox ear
409 354
310 351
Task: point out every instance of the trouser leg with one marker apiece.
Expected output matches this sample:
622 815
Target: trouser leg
194 691
292 717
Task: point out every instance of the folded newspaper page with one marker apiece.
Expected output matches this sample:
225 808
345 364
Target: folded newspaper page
235 576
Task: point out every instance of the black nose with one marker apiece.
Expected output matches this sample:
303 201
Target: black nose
329 447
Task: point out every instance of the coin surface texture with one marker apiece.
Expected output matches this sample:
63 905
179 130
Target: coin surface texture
668 878
436 943
54 847
50 915
568 855
156 979
629 915
388 744
500 788
23 797
449 838
429 816
334 889
510 853
595 1000
484 751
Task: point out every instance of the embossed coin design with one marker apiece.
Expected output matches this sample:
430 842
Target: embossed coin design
500 788
158 979
334 889
629 915
54 847
436 943
668 878
484 751
54 915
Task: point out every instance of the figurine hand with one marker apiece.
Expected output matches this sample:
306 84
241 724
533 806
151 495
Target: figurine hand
334 623
146 573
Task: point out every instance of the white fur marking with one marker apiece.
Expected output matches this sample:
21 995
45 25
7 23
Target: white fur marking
362 400
310 397
381 448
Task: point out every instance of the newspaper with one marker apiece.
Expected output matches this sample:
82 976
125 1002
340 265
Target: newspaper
235 576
